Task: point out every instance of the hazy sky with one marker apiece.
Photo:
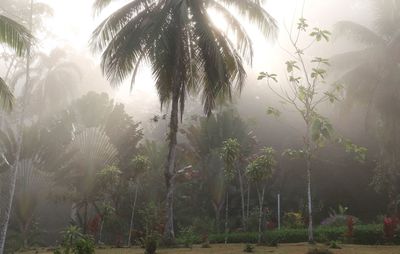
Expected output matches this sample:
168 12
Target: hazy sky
73 23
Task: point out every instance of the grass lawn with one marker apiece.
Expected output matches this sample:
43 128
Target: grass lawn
238 248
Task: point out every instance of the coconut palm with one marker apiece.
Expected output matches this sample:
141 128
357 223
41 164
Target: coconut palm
186 52
54 83
18 38
372 78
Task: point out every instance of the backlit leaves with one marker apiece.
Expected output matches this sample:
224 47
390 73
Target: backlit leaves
320 34
266 75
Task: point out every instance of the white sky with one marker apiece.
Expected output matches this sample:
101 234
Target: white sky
73 23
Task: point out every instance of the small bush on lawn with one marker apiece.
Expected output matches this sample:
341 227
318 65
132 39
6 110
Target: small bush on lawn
150 244
334 245
248 248
74 241
187 237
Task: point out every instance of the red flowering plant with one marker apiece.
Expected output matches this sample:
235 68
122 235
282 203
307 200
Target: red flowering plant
390 227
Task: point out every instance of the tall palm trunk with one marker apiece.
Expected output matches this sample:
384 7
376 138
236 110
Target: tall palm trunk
169 173
5 216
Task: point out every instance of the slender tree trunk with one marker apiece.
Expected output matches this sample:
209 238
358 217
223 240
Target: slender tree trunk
260 211
310 217
279 210
242 201
5 216
248 200
217 210
226 217
101 230
85 219
132 215
169 173
309 196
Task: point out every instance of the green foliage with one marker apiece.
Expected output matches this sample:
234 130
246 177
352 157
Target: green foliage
187 237
359 152
266 75
363 234
294 153
151 243
14 35
140 164
293 220
321 130
334 245
273 111
74 242
320 34
230 153
108 177
248 248
151 217
262 167
211 64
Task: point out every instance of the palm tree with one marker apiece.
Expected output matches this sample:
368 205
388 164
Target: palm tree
186 52
372 78
54 83
18 38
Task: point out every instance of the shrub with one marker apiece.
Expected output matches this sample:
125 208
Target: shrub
84 246
75 242
334 245
389 227
293 220
187 237
150 244
248 248
362 234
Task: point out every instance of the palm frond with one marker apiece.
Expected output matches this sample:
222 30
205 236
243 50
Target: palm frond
6 96
14 35
387 14
99 5
255 13
243 41
358 33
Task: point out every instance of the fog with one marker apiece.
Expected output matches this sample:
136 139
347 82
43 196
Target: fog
177 156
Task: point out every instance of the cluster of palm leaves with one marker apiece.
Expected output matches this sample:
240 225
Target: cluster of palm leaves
372 78
19 39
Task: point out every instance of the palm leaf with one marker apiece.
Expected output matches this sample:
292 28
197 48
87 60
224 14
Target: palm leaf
358 33
14 35
6 96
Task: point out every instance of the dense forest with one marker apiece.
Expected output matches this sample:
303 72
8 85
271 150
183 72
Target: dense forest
226 141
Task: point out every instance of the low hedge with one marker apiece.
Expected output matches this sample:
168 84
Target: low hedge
363 234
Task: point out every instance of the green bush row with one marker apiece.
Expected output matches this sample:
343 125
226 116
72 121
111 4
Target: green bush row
363 234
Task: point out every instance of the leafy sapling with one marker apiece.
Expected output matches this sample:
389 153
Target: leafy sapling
306 91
